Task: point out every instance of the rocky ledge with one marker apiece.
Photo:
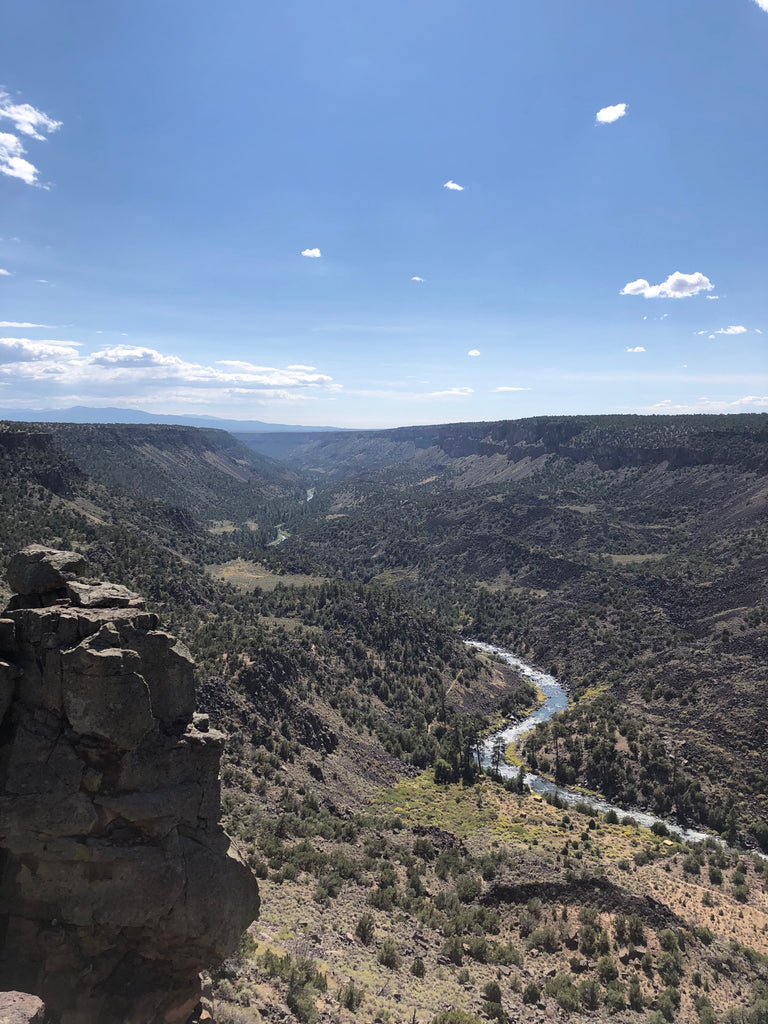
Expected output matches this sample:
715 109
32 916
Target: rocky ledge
117 883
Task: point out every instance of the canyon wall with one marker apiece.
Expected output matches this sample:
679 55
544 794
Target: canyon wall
117 883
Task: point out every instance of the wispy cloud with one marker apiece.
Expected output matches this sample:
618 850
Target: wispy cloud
713 298
453 186
450 393
763 4
416 278
16 323
505 387
314 254
706 404
5 273
676 286
734 329
637 348
409 396
28 121
474 352
610 114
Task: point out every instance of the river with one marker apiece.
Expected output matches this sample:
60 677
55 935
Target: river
556 699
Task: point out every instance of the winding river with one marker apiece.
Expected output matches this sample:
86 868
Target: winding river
556 699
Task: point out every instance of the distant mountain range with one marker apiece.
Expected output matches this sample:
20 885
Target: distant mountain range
86 414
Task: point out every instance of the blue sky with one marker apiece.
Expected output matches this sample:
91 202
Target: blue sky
165 166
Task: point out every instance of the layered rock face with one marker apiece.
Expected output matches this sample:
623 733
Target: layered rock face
117 883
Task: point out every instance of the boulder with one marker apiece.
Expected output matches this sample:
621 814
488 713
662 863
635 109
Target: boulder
102 595
21 1008
40 570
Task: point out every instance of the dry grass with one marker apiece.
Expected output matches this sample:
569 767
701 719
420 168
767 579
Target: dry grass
251 576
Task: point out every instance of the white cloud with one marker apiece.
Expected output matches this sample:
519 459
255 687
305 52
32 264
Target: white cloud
11 161
15 323
28 121
408 396
637 348
417 279
735 329
763 4
705 404
505 388
314 254
453 186
474 352
24 350
758 331
712 298
55 370
5 273
450 393
610 114
677 286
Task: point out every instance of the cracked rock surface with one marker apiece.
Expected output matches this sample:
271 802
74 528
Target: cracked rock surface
117 883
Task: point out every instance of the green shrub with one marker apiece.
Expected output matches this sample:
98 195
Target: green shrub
504 954
564 992
531 993
635 993
301 1003
635 930
477 947
365 929
492 992
350 996
453 949
691 865
468 888
545 938
589 994
741 893
607 970
668 1003
389 955
417 967
614 997
670 968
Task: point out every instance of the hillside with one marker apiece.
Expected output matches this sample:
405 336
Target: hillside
205 472
149 503
398 882
628 556
113 414
474 453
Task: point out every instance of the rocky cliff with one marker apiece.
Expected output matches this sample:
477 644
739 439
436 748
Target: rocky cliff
117 883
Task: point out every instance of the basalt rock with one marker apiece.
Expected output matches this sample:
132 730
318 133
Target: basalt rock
117 883
21 1008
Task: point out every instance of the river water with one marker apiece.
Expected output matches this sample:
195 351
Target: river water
556 699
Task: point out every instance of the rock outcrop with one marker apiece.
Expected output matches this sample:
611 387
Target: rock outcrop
21 1008
117 883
